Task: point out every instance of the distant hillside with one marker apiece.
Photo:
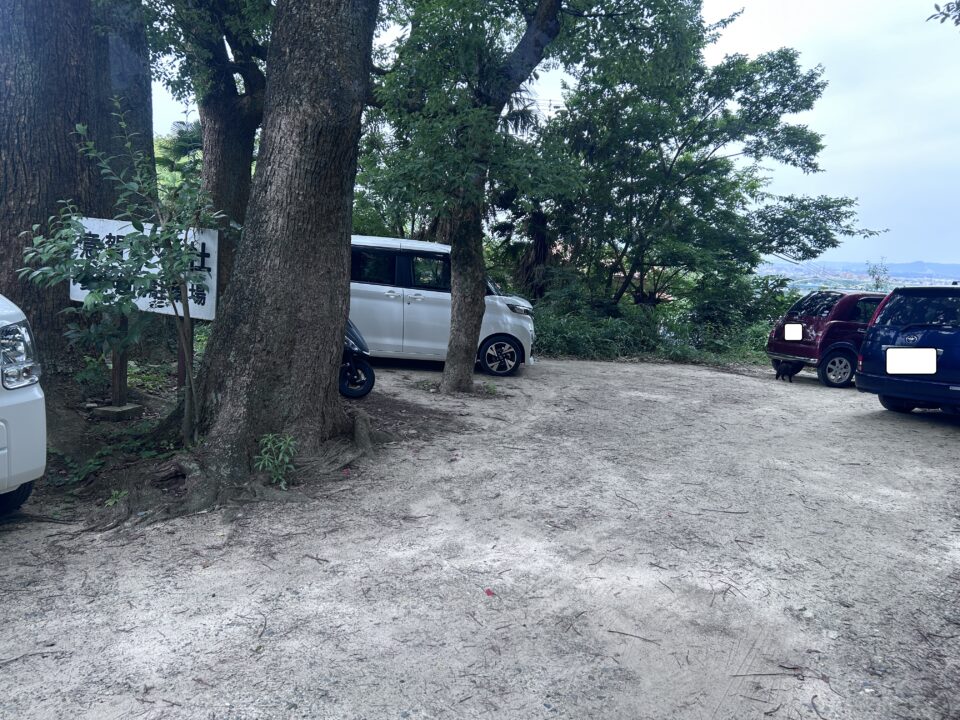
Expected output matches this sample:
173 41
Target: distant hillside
854 275
911 269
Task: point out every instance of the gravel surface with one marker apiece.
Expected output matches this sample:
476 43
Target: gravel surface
591 540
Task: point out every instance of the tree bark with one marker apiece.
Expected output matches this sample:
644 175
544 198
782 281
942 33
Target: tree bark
467 297
120 75
229 121
57 71
223 48
45 57
228 142
272 364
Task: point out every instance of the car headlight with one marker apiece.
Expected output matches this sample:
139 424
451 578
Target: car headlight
521 309
18 356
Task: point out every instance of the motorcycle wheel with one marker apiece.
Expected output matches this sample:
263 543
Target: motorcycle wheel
356 378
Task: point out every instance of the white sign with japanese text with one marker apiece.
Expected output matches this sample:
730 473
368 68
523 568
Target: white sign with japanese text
100 233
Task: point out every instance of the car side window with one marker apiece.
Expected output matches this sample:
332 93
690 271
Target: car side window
817 304
431 272
369 265
865 309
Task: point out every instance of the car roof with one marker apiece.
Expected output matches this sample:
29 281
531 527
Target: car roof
397 243
837 291
929 290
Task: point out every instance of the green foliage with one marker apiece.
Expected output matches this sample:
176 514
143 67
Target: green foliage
156 257
276 458
134 440
189 40
669 151
879 274
716 323
201 336
455 121
949 12
179 156
76 473
154 379
116 496
118 274
564 329
94 377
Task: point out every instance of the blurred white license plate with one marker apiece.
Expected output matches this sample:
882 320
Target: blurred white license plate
793 331
911 361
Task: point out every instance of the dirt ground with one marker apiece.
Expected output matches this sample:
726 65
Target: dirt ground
590 540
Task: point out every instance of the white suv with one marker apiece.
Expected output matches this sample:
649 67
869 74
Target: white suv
400 300
23 421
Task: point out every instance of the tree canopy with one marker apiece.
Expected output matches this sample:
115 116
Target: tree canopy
667 152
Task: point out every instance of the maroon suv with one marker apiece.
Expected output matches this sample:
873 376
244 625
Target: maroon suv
824 330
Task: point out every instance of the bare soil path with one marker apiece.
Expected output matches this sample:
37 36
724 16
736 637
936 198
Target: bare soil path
593 540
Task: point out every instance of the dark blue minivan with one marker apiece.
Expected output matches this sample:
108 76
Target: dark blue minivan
910 356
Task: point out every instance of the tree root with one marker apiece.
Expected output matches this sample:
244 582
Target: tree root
190 483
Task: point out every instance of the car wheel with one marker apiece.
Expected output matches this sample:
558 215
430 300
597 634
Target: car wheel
11 501
359 381
500 355
896 404
836 369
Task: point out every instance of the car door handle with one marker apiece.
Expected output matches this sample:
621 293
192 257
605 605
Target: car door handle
418 297
861 330
392 293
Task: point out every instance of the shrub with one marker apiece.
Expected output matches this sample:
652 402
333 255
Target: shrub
592 336
276 457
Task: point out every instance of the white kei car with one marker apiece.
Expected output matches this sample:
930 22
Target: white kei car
400 300
23 420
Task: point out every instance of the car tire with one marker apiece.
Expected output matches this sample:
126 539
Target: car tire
10 502
361 383
896 404
500 355
837 369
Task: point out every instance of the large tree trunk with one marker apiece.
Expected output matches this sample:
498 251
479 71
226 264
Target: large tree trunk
45 57
56 72
273 361
121 76
532 271
467 295
229 120
229 134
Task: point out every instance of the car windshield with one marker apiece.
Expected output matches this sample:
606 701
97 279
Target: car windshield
816 304
919 309
494 288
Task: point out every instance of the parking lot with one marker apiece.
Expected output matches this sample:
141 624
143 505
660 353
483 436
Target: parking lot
583 540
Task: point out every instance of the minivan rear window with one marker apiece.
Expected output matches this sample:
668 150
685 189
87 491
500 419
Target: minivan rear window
920 309
378 267
818 304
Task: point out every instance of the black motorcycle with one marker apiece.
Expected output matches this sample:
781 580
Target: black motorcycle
356 374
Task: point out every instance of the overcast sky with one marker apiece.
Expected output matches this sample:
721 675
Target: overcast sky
890 116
